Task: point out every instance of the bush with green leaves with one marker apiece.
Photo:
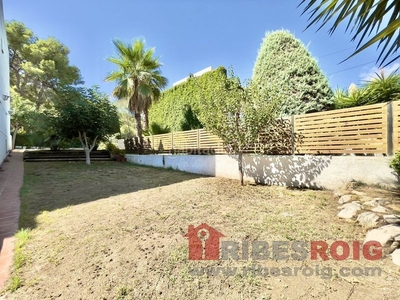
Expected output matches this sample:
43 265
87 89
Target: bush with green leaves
172 109
395 164
380 89
285 61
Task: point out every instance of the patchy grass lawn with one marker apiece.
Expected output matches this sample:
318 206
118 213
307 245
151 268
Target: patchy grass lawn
115 231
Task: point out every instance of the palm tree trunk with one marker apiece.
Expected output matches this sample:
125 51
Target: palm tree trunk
146 119
138 119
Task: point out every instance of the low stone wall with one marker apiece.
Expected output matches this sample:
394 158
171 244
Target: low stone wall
329 172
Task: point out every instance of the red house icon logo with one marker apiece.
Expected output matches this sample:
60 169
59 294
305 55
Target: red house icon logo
203 242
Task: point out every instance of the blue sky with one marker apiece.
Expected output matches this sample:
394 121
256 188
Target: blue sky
189 35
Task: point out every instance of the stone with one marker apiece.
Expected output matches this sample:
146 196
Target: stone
374 202
392 219
385 235
344 199
379 209
368 219
396 257
349 210
358 193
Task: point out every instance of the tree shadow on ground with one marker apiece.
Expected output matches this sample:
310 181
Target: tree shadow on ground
286 170
52 185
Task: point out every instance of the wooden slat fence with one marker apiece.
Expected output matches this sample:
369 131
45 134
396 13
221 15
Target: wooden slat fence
359 130
363 130
396 126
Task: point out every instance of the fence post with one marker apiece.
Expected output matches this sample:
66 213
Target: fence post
172 141
389 128
152 142
292 135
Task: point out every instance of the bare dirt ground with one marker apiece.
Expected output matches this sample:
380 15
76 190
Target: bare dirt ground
115 231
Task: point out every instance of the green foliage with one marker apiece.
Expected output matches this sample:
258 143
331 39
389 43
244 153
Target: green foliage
190 121
110 147
38 67
155 128
284 61
395 163
379 89
127 120
172 108
238 115
364 17
85 113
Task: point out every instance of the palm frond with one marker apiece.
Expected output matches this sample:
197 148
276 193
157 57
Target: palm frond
365 20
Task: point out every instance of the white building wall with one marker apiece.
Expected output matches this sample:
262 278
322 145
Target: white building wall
5 139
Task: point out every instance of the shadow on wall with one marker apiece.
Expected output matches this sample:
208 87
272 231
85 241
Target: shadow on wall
286 170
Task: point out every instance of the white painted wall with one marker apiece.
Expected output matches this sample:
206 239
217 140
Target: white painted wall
5 139
330 172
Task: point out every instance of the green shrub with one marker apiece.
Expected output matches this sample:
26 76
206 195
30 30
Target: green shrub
395 163
110 147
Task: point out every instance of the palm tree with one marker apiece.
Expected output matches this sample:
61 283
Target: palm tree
138 78
364 18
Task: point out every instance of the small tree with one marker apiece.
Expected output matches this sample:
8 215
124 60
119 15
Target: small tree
238 115
86 114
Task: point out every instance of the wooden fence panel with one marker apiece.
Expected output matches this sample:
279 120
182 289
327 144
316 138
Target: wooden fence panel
396 126
185 140
358 130
210 141
162 142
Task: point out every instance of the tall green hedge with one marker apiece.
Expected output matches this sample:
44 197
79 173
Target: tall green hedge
285 61
172 108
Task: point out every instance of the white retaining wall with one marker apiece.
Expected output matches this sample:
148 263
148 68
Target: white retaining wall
330 172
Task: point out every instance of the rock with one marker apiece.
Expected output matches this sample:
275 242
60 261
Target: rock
385 235
354 204
396 257
358 193
349 210
379 209
373 202
344 199
392 219
368 219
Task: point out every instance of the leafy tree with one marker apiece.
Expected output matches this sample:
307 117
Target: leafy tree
381 88
284 61
38 67
364 18
138 78
238 115
23 112
86 114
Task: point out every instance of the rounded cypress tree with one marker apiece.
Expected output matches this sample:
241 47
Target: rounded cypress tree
284 61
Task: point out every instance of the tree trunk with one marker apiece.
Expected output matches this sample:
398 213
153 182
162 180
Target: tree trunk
240 165
14 138
85 145
146 119
138 119
87 153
